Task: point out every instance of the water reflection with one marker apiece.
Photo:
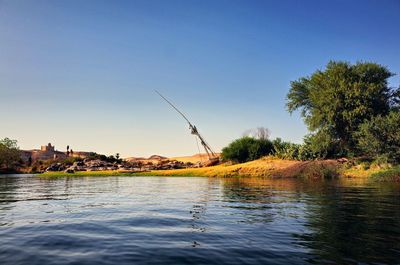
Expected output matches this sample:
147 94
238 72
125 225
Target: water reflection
8 185
122 220
349 225
343 223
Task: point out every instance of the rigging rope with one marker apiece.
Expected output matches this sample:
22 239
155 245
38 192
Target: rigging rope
198 148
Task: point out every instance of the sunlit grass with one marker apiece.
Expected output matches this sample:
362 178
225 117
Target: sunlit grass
89 173
269 167
390 174
357 172
264 167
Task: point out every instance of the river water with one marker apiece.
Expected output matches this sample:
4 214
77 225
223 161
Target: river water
189 220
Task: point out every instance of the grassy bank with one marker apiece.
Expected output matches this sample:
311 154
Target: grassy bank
375 173
89 173
269 167
265 167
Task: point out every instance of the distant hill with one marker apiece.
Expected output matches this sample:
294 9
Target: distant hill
132 159
155 158
192 159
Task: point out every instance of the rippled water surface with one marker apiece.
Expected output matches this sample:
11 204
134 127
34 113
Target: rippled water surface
187 220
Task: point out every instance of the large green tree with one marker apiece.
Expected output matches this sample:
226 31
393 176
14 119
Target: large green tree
335 101
9 154
381 137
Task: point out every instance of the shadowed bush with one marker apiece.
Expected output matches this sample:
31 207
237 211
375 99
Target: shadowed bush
246 149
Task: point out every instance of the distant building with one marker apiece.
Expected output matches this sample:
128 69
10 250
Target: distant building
46 152
49 152
47 148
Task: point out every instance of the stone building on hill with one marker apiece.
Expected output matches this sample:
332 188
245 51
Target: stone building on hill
47 148
48 152
45 152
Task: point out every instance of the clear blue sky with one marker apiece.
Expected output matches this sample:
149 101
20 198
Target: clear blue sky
83 72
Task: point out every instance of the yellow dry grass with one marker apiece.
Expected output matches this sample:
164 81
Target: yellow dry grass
356 172
265 167
270 167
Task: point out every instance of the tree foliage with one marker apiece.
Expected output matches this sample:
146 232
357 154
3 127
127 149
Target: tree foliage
381 137
246 149
9 153
334 102
110 159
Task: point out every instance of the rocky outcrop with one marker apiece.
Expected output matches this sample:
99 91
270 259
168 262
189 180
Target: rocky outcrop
100 165
55 167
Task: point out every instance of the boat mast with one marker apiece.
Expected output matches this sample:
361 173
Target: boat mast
193 130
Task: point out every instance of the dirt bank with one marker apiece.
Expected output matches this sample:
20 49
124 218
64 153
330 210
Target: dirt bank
265 167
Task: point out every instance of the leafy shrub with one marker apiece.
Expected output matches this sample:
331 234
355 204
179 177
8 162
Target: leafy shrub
381 160
379 138
287 150
246 149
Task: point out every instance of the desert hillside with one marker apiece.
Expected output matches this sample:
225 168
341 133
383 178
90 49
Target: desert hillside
196 158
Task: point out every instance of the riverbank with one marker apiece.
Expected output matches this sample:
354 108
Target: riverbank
266 167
